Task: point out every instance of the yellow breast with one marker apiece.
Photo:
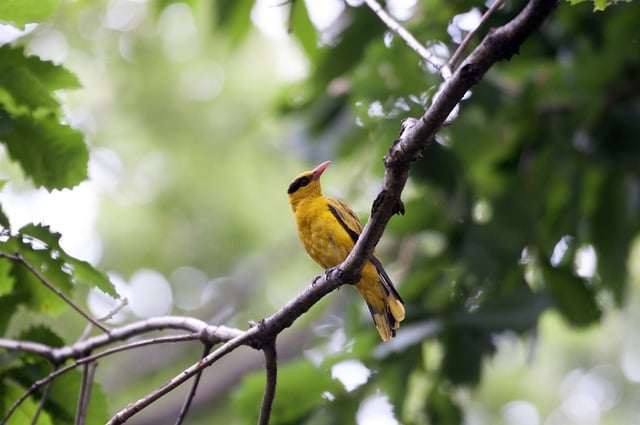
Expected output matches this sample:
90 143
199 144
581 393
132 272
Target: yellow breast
324 239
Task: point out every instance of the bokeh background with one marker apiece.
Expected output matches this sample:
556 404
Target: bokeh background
518 256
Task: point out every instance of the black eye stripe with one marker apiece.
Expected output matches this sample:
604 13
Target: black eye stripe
298 183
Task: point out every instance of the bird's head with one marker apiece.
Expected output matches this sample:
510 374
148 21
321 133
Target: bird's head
307 184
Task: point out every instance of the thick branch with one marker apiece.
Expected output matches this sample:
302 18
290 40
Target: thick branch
208 333
500 43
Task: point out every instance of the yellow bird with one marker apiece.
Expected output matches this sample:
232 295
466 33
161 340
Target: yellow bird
329 229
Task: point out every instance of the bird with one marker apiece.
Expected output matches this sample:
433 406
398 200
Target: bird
329 229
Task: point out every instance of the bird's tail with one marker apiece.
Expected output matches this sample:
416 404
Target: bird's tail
385 304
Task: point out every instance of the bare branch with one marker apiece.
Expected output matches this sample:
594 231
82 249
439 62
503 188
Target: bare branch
404 34
88 374
43 400
122 302
462 47
271 366
208 333
17 257
266 330
192 390
499 44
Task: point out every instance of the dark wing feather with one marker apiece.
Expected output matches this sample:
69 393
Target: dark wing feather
346 217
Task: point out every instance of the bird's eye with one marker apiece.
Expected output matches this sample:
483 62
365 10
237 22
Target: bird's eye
304 181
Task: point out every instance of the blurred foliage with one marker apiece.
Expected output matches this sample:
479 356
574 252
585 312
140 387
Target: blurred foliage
521 216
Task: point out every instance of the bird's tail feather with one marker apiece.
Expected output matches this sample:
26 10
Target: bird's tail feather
388 320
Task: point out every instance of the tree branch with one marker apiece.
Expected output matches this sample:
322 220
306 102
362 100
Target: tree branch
271 366
462 47
192 391
404 34
88 374
500 43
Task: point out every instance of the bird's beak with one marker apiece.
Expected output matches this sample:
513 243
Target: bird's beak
317 172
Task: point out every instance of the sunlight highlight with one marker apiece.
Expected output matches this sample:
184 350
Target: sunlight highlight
351 373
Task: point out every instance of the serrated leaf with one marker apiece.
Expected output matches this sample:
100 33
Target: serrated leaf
21 12
80 271
27 288
27 83
52 154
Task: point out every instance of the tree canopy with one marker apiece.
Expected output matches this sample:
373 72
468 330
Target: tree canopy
147 151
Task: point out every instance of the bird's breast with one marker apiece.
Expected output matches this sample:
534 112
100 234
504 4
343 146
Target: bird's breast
324 239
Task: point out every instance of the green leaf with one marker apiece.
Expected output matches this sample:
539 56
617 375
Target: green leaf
27 83
6 280
42 335
63 397
40 248
8 306
63 400
572 297
53 154
291 404
9 392
20 12
81 271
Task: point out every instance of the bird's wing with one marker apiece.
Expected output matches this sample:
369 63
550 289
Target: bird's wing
351 223
346 217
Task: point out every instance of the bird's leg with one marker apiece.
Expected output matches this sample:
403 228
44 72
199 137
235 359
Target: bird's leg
329 274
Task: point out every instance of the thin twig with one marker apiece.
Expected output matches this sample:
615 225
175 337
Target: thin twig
404 34
120 304
192 390
88 374
16 256
271 366
462 47
43 399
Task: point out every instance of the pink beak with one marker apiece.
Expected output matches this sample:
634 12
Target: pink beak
317 172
